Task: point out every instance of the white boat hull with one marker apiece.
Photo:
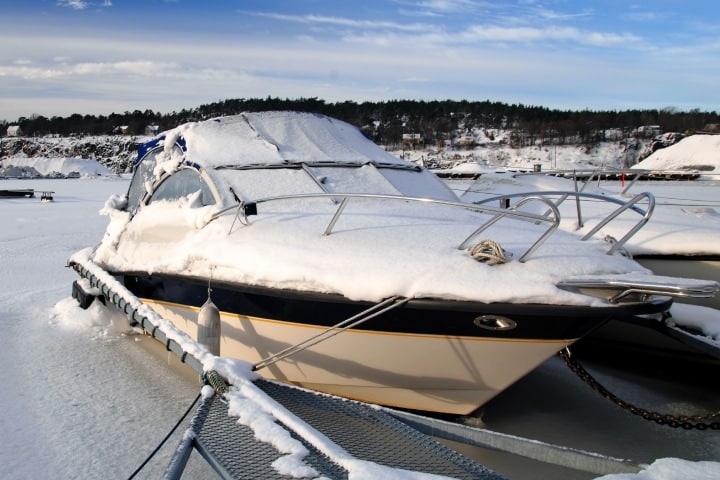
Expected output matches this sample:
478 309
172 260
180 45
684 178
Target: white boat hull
384 368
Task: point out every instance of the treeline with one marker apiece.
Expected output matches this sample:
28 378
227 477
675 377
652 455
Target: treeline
386 121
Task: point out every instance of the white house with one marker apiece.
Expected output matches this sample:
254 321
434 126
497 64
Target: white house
412 138
14 131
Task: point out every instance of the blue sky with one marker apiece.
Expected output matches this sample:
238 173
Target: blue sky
61 57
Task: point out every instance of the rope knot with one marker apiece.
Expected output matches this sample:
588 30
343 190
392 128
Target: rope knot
489 252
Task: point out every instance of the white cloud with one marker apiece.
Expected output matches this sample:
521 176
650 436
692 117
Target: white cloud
349 22
74 4
368 31
448 5
112 72
81 4
141 68
550 34
548 14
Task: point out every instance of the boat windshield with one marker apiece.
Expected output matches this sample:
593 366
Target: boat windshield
263 181
144 175
183 183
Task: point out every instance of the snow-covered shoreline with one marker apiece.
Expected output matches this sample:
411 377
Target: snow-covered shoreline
116 152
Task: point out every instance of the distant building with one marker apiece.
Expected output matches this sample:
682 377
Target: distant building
14 131
151 130
649 130
466 141
412 139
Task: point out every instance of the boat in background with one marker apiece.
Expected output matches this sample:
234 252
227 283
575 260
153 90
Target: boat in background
291 241
17 193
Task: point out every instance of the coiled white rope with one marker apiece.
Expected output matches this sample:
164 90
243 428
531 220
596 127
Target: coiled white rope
489 252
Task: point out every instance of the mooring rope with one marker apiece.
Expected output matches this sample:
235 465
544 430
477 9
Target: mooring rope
217 382
490 252
166 438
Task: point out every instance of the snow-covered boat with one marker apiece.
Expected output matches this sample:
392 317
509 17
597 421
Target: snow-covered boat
341 268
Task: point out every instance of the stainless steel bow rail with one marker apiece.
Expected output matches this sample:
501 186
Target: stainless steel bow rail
385 436
631 205
244 209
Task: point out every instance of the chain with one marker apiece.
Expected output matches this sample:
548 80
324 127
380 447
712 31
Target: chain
688 422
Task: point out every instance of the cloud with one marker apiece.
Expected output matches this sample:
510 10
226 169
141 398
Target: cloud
140 68
447 5
548 14
311 19
81 4
369 31
74 4
550 34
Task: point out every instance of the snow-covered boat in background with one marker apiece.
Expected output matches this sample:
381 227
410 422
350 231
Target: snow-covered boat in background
341 268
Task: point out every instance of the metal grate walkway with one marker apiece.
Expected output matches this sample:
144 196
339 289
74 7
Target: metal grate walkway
364 432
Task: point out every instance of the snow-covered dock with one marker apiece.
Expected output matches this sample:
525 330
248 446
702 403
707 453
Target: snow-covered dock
374 444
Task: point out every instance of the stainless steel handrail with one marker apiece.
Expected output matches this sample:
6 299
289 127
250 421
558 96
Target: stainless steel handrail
624 205
628 205
538 242
250 206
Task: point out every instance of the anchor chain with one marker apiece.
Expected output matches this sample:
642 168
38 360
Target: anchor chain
688 422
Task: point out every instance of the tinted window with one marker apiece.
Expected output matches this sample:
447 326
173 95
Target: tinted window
181 184
142 176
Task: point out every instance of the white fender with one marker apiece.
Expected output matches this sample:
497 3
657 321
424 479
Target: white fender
209 327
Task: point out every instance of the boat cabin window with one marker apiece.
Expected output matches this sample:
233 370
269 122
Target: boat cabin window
182 183
256 183
271 182
363 179
383 181
423 184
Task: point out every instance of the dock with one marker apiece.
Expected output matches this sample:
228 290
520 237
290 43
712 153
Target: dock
45 195
628 174
339 436
17 193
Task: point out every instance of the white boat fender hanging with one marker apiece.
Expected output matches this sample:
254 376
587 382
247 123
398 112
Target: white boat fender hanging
209 326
